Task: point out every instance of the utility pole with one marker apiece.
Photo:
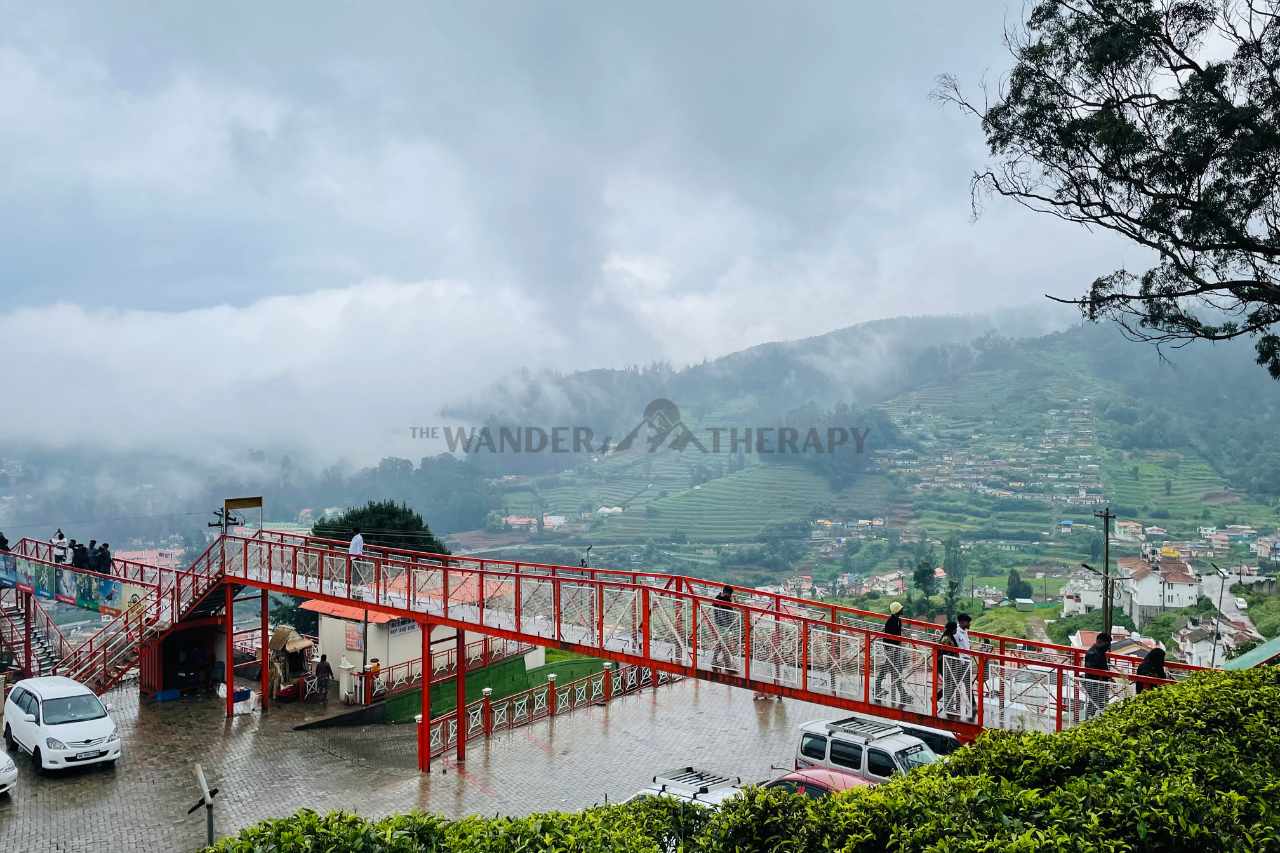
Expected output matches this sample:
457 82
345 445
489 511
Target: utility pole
1107 594
223 520
1217 619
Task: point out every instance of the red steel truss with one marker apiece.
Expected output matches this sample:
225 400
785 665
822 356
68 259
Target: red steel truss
814 651
818 652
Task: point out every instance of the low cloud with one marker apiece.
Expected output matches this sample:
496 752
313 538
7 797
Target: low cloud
337 373
315 228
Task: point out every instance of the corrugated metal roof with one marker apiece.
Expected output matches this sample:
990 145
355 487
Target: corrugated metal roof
1257 656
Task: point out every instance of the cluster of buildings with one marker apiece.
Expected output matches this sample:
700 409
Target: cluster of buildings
829 536
1210 641
1210 541
530 522
1149 586
889 584
1123 641
1144 589
1059 469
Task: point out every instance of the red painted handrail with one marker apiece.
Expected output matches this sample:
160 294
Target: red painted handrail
833 611
417 590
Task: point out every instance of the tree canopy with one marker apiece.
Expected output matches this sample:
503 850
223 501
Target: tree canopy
1158 120
384 523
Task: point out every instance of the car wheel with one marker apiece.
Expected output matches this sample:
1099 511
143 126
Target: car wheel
37 761
8 738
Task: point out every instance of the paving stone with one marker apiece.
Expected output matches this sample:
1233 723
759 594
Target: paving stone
265 769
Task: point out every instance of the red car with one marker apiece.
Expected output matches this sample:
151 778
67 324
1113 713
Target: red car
817 782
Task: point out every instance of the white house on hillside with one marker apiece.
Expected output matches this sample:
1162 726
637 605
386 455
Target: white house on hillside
1150 588
1081 594
1195 643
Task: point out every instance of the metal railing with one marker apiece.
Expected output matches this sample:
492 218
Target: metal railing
335 554
1006 683
407 675
488 716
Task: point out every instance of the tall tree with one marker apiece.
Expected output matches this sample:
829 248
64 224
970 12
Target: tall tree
952 595
1158 120
953 560
385 523
1017 587
923 578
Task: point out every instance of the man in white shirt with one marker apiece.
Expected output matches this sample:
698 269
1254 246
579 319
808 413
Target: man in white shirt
962 640
356 549
59 547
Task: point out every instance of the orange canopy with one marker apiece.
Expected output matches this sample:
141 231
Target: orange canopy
345 611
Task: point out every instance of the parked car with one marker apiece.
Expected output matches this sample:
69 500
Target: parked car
818 782
700 787
941 741
59 723
8 773
1241 604
864 746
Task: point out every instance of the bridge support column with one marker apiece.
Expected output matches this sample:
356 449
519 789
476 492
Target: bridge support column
229 626
424 718
608 682
26 642
265 674
460 687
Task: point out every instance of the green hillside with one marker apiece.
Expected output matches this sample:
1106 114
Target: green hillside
1009 446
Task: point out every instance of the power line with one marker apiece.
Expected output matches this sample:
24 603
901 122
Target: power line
19 522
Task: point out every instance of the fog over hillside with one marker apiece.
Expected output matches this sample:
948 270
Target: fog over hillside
247 237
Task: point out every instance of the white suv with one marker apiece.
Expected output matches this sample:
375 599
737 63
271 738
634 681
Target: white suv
60 723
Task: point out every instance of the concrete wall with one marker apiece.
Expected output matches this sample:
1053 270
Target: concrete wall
389 648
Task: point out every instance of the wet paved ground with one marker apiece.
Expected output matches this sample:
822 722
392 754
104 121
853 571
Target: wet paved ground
265 769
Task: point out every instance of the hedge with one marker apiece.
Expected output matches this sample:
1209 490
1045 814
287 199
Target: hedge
1193 766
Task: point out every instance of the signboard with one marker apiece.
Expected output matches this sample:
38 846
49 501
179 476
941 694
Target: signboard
43 579
115 596
24 579
355 637
66 592
60 583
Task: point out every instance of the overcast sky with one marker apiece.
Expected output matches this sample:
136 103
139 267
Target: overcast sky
320 221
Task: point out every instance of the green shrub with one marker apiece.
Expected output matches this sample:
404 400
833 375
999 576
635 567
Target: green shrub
1193 766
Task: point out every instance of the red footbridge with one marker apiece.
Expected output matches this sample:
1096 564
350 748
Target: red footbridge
652 626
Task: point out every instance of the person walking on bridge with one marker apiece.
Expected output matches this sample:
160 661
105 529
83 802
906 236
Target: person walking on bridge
949 670
59 543
724 618
963 621
1096 687
892 660
1152 665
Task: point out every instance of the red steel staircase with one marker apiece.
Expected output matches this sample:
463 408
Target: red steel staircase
104 658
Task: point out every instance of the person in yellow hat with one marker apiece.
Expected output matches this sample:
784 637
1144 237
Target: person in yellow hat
892 661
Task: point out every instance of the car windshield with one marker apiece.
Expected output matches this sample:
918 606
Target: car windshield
72 709
915 756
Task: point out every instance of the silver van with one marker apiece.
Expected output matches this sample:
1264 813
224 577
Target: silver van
872 749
